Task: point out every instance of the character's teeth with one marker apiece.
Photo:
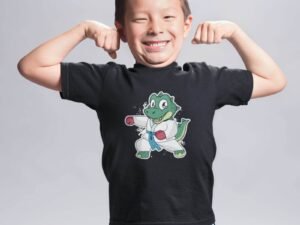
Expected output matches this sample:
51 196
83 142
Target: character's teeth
157 120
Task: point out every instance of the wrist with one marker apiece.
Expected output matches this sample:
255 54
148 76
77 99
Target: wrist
83 26
236 34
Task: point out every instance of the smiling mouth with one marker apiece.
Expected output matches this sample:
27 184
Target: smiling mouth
156 43
158 120
166 116
155 46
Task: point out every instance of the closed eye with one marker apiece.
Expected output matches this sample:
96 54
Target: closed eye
139 19
169 17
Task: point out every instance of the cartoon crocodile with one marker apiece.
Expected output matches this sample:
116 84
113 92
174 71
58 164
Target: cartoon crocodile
158 127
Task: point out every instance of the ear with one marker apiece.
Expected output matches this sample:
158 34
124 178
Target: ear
188 25
120 29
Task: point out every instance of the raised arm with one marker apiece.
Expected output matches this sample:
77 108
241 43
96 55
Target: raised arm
42 64
268 78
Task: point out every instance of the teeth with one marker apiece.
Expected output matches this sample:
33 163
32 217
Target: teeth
157 44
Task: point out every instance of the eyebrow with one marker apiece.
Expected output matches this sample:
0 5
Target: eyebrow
164 9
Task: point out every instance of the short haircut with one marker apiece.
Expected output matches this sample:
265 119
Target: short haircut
120 6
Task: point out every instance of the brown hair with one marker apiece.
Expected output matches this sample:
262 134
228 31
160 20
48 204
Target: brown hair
120 6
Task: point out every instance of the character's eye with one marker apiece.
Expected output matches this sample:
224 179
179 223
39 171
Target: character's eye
163 104
152 103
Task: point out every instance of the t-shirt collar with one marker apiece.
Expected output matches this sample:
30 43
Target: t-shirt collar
172 65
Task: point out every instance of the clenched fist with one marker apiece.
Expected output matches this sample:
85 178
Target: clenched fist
160 134
104 36
211 32
129 121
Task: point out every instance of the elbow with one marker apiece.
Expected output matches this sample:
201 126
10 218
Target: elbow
22 68
285 84
281 84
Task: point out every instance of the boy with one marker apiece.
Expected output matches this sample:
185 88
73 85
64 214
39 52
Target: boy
159 169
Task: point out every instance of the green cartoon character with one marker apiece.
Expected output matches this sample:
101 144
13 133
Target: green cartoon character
158 127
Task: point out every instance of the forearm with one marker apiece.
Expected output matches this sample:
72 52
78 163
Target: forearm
55 50
255 58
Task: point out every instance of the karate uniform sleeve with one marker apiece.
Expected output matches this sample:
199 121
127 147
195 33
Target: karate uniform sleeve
232 86
82 82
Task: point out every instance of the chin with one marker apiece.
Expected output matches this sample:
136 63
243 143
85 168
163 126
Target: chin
159 60
156 63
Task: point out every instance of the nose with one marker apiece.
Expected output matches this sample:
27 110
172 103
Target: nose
155 27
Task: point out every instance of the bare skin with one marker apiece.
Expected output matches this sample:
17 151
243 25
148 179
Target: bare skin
42 64
268 77
154 25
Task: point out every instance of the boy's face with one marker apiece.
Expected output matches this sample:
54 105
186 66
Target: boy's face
154 30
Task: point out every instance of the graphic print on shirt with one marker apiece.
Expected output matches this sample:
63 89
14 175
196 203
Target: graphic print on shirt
158 128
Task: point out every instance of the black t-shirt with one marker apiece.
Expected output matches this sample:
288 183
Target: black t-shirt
157 130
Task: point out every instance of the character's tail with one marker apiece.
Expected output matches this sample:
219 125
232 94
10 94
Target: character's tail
182 128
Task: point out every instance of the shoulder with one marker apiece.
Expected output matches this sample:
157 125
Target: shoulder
110 68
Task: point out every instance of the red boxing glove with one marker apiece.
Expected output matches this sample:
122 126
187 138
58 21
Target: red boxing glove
160 134
129 120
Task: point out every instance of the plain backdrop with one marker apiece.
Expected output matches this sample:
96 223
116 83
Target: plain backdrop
51 149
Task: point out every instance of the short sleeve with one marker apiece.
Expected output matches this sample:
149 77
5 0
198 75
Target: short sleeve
232 86
82 82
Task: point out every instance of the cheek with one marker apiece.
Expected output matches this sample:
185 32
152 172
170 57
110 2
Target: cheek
177 31
136 32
